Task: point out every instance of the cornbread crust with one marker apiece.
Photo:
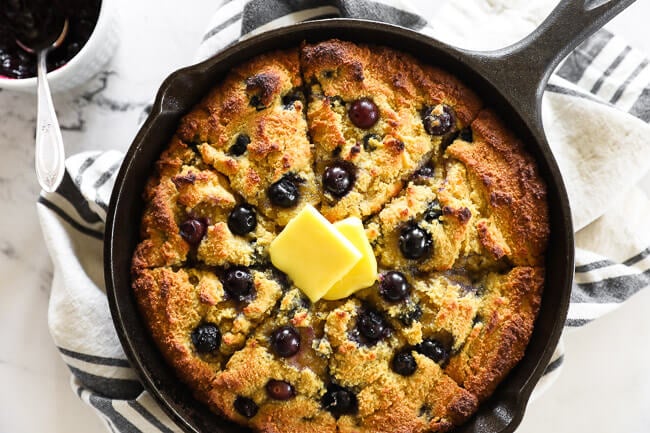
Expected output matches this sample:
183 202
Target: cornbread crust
251 101
401 87
512 191
499 338
477 291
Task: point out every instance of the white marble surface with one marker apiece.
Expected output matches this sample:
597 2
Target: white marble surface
605 384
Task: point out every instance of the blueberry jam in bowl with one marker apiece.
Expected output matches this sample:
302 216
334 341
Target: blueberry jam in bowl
90 42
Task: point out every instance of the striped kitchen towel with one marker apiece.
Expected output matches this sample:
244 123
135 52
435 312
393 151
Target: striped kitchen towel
596 111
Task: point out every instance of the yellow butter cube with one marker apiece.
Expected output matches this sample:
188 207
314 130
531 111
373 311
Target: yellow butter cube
313 253
364 273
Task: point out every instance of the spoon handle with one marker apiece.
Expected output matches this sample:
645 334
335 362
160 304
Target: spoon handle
50 164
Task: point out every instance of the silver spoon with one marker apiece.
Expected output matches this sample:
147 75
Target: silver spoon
50 156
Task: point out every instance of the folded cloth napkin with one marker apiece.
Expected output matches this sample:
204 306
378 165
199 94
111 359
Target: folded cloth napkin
595 110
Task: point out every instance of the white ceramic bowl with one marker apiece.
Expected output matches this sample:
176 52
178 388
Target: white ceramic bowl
86 63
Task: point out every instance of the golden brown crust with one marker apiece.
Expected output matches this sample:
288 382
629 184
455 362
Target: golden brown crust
250 103
387 153
473 295
162 245
170 311
511 188
498 341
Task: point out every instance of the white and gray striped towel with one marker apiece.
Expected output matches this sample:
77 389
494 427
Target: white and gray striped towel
596 111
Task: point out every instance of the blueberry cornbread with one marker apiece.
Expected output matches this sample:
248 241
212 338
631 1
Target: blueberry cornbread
340 238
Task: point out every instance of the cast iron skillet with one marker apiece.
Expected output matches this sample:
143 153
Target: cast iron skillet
510 80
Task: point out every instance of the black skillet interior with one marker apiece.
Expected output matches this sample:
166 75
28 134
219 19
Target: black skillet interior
183 89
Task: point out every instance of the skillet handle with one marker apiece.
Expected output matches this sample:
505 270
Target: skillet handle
522 70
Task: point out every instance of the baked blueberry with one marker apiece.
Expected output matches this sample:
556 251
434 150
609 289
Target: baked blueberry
363 113
372 326
245 406
338 178
340 401
285 341
206 338
414 242
193 230
290 98
403 363
367 145
280 390
413 312
434 349
256 102
438 120
433 212
336 101
393 286
425 171
241 144
284 193
242 219
238 283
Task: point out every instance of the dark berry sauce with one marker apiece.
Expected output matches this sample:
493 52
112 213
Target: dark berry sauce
33 21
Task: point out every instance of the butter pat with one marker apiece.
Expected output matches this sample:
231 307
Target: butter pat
364 273
313 253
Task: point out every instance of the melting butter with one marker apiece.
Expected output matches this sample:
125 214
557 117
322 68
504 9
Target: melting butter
313 253
364 273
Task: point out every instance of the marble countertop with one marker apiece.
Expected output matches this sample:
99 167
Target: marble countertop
606 368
